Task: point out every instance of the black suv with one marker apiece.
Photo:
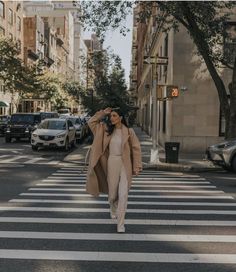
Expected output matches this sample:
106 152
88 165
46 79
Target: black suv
21 125
4 119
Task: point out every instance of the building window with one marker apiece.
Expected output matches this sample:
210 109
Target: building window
10 16
165 55
11 36
18 23
2 9
2 31
164 117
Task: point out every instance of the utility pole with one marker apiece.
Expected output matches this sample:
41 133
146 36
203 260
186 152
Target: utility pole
154 152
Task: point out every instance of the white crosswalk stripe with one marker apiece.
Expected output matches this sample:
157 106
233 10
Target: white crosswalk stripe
26 160
171 209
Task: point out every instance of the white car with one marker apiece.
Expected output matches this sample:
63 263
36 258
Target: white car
53 132
80 132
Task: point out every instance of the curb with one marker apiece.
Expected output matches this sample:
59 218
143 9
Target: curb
179 168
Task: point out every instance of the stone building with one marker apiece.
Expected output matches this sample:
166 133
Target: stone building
193 118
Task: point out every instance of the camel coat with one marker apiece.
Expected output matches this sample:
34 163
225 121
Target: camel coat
97 169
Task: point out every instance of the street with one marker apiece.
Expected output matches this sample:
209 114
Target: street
175 221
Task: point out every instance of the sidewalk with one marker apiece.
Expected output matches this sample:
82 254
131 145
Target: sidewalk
187 162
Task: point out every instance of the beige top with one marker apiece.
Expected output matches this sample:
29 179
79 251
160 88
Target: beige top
115 143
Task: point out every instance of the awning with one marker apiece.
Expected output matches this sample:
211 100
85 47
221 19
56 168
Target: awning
4 104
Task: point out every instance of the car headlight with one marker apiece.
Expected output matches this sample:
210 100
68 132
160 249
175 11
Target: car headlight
225 145
34 135
61 136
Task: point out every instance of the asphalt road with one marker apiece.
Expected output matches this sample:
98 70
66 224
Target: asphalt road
21 167
176 222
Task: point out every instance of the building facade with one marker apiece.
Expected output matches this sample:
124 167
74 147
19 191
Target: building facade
193 118
11 26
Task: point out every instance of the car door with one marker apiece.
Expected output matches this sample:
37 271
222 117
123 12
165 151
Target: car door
71 131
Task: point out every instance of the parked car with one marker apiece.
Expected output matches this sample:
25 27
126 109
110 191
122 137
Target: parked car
65 112
48 114
21 125
54 132
80 129
223 154
4 119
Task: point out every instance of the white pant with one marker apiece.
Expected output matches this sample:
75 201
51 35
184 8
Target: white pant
117 187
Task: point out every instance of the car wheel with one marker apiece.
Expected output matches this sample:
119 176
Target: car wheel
233 163
34 147
66 146
8 139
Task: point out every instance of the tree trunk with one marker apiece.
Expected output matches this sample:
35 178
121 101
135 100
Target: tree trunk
202 47
231 130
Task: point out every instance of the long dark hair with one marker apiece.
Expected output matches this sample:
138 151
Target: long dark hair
110 127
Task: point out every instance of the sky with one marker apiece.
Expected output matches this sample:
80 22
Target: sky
120 44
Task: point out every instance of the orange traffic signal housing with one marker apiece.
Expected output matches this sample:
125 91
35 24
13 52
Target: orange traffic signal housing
172 91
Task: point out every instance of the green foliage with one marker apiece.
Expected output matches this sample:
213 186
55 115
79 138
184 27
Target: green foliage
110 89
12 72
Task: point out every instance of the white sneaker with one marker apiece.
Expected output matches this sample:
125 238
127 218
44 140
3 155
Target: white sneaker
121 229
113 211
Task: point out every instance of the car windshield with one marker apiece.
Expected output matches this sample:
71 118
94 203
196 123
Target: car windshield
3 118
63 111
75 121
25 119
53 124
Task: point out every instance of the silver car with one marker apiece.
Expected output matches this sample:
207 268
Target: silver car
223 154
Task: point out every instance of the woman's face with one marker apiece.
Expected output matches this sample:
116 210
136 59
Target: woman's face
115 118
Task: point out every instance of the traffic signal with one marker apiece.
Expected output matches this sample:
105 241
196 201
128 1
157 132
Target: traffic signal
172 91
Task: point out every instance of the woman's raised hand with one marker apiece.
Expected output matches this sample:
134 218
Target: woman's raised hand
107 110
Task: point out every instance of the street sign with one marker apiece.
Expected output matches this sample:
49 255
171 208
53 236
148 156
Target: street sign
159 60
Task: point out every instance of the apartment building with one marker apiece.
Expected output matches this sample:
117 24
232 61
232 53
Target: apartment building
193 118
11 25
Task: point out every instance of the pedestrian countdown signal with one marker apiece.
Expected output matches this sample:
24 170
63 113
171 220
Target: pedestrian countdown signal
172 91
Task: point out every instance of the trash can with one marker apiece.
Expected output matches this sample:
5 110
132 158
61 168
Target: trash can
172 152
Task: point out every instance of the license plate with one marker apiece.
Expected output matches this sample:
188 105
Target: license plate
45 143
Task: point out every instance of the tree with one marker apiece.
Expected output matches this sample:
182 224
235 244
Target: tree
109 84
13 73
205 23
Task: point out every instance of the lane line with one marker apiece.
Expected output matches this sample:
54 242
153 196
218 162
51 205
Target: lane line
118 256
133 190
106 210
164 203
133 196
134 182
94 221
118 237
133 186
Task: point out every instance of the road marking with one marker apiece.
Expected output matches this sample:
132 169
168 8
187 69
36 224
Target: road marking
118 237
117 256
34 160
94 221
133 186
72 175
138 191
164 203
11 160
133 196
106 210
135 182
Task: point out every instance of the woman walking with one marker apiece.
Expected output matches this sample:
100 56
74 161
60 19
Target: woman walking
115 155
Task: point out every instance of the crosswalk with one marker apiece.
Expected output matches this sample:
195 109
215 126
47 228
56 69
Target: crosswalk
172 218
13 159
